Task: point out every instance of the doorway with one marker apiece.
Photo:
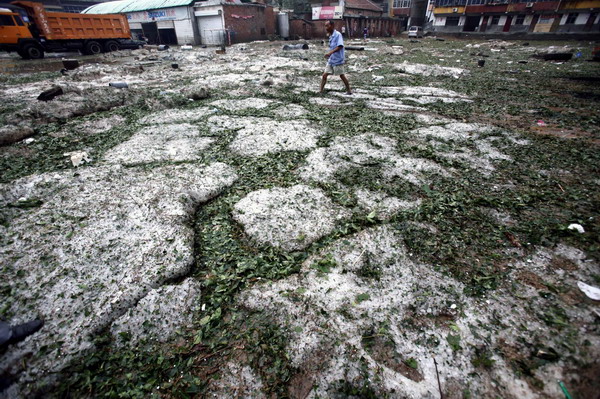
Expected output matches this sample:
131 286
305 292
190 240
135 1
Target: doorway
471 24
150 30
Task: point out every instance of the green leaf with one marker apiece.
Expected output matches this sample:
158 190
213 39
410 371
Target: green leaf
454 342
198 338
362 297
412 363
371 216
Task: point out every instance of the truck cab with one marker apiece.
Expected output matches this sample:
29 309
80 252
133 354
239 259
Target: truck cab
12 28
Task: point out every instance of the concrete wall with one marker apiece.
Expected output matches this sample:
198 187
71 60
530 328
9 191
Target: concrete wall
270 21
302 29
184 29
245 22
318 28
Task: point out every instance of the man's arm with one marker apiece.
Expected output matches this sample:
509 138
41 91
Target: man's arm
335 50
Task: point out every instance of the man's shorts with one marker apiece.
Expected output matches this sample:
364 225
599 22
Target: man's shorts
335 69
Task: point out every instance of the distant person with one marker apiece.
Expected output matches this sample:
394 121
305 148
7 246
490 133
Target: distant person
335 57
343 31
365 32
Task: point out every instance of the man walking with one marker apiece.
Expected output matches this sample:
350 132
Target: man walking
335 57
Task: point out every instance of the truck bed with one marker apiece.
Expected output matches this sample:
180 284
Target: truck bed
67 26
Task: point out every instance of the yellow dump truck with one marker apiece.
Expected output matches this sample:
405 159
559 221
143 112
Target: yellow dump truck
31 31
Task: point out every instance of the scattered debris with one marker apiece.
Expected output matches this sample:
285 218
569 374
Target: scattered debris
119 85
197 93
301 46
554 56
48 95
12 133
577 227
590 291
78 157
70 64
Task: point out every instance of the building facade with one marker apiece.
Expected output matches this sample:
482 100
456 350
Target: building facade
354 16
211 22
496 16
74 6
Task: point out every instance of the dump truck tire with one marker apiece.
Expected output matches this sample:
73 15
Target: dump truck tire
92 48
111 45
32 51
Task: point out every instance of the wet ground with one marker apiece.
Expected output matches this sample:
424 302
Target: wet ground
221 229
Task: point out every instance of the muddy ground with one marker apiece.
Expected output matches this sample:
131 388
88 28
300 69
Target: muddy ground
219 229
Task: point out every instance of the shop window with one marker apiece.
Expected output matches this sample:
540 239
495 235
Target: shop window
520 19
571 18
452 21
402 3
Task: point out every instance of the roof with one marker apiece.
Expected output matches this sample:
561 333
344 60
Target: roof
122 6
363 5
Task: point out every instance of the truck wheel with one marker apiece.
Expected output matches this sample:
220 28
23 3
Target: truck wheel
32 51
92 48
111 45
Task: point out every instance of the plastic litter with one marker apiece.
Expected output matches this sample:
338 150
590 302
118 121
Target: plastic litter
78 157
187 47
564 389
119 85
163 47
540 123
29 140
578 227
589 291
480 63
